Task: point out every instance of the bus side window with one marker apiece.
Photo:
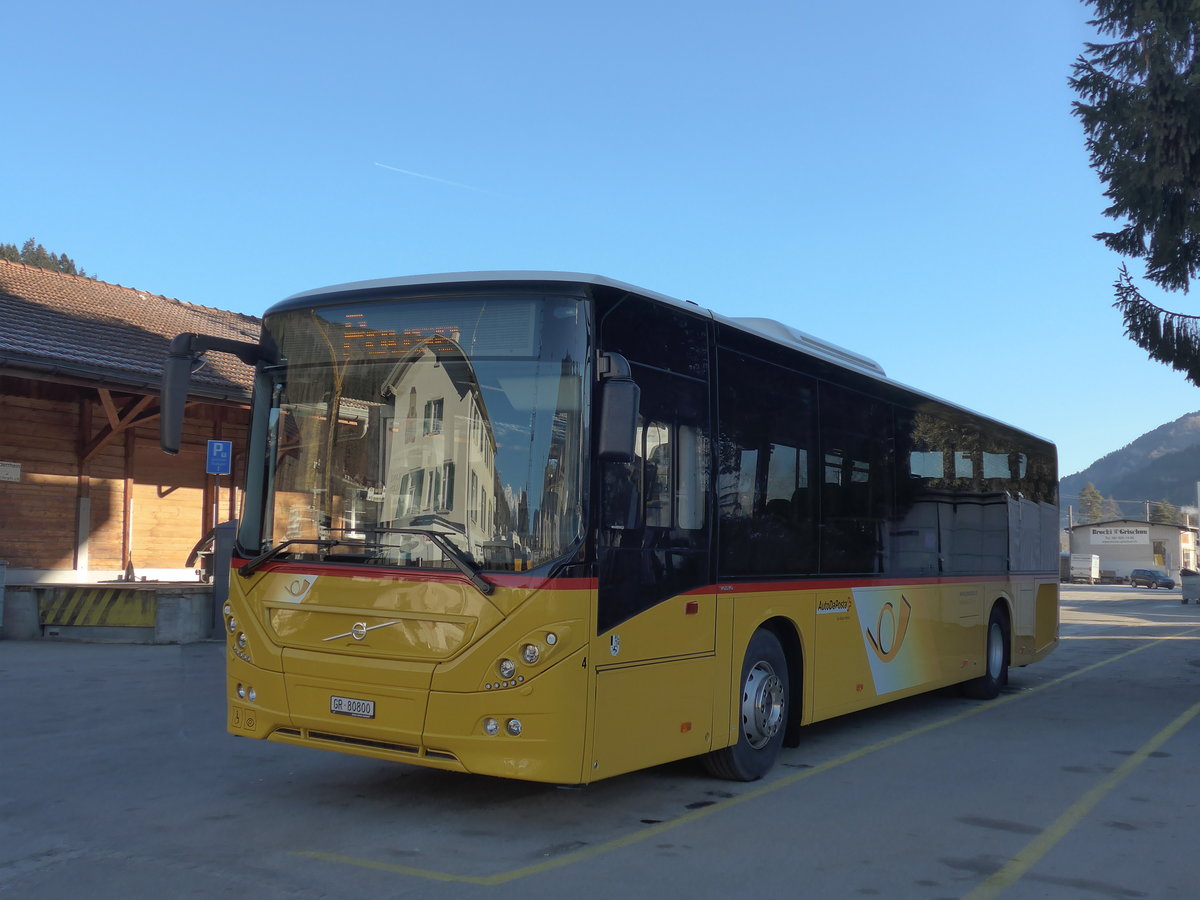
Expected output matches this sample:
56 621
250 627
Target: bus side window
676 458
765 471
692 484
656 445
857 503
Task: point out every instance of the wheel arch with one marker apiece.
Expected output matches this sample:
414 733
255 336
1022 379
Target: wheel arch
788 635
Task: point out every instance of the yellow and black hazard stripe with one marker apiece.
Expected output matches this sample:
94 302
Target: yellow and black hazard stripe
98 606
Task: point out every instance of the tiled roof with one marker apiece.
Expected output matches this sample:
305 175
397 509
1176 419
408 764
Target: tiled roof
81 328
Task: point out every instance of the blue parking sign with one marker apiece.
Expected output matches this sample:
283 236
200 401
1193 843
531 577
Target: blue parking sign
220 457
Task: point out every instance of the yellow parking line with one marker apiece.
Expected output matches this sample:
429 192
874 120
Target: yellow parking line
1032 853
586 853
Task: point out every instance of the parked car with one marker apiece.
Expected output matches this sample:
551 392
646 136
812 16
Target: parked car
1151 578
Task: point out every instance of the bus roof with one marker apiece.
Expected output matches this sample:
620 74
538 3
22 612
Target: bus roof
768 328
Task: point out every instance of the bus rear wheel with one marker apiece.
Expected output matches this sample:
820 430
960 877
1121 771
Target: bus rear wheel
762 708
995 676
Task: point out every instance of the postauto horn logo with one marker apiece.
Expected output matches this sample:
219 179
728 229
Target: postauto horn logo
890 629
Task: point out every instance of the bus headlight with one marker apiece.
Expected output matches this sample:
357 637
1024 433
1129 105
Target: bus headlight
531 653
507 669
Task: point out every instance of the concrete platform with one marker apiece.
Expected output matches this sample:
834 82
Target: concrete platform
121 612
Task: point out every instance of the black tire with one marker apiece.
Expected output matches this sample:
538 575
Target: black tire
996 656
763 699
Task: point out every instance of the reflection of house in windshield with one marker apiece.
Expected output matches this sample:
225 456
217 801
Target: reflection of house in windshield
439 453
556 518
385 438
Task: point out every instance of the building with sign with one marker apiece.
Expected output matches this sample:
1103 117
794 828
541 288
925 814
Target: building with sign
1127 544
88 496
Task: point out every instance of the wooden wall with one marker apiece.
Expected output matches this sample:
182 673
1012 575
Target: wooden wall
40 433
86 448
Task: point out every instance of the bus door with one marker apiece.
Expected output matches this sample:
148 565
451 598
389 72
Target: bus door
656 602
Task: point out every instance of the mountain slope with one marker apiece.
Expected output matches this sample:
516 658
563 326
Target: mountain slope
1163 464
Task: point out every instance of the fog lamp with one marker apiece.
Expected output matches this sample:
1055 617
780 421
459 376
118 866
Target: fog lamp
513 727
491 726
241 692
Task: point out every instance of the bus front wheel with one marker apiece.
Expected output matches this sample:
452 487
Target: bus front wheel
762 710
995 676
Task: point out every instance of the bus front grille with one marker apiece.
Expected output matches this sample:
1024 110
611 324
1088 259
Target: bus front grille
387 746
312 736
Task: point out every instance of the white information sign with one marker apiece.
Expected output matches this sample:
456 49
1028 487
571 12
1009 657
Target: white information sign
10 471
1120 534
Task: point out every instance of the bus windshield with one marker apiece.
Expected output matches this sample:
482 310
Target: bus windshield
431 432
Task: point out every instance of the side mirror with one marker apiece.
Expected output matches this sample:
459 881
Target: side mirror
177 377
619 401
182 358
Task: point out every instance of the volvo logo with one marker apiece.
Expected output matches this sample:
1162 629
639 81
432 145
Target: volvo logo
359 631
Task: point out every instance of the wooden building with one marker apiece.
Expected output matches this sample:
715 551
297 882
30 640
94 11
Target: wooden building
86 493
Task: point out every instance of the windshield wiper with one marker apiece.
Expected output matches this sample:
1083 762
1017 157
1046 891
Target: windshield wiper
461 561
248 568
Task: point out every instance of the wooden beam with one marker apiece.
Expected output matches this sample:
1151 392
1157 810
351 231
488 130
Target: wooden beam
127 504
126 418
110 408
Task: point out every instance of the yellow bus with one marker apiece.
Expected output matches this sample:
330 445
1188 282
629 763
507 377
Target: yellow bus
554 527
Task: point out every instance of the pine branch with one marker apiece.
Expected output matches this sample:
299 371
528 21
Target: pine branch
1171 338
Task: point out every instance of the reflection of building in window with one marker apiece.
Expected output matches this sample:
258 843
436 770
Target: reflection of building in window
433 416
842 470
408 430
445 430
410 427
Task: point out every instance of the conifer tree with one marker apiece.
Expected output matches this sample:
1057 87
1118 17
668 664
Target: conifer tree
34 254
1165 513
1091 504
1139 103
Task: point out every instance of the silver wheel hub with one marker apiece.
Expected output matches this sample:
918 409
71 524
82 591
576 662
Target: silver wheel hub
762 705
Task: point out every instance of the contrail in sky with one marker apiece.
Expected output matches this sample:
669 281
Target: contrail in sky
432 178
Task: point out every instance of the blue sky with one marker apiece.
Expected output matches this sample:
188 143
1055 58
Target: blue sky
902 179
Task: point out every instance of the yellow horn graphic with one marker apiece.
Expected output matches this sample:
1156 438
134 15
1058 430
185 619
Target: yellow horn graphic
899 629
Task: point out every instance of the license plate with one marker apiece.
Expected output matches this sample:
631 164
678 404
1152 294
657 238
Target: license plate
351 706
